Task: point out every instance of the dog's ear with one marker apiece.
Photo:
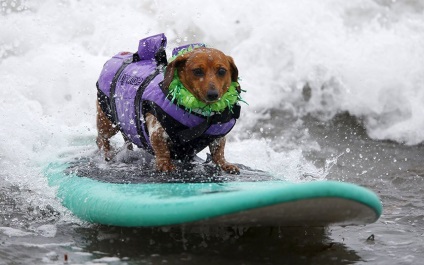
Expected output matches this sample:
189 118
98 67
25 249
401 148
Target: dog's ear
234 71
170 69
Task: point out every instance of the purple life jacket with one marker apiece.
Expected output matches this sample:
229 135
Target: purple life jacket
130 86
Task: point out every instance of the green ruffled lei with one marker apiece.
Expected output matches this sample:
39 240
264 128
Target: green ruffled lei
179 94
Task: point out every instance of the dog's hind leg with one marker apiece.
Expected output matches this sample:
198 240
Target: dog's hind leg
105 130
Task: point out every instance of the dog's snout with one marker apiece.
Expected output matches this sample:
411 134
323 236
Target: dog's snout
212 94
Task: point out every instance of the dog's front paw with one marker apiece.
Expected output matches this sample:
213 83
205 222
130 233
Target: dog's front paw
164 166
230 168
109 155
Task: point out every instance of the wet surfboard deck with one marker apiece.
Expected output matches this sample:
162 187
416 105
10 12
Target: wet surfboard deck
130 195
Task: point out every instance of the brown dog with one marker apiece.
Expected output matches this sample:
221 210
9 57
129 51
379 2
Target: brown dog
207 73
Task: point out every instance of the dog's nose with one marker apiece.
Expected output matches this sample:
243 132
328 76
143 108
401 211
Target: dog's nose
212 95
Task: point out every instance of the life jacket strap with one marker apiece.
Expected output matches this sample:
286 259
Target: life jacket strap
112 97
160 57
139 109
104 103
194 132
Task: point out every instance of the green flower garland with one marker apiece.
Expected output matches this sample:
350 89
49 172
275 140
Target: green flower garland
181 96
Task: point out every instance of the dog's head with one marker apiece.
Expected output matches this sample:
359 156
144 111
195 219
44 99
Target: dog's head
207 73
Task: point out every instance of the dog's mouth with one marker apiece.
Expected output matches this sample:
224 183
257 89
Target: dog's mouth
207 101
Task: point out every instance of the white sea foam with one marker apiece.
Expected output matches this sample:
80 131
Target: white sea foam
47 230
364 57
12 232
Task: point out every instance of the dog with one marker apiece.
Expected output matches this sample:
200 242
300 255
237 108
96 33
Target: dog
207 74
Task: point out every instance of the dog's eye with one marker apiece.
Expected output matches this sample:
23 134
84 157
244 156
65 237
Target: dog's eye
221 71
198 72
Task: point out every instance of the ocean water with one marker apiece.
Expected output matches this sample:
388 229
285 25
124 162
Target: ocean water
335 90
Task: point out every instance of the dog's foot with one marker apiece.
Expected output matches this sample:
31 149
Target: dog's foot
164 166
129 146
230 168
109 155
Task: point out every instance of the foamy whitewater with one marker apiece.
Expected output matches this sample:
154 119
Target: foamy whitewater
306 57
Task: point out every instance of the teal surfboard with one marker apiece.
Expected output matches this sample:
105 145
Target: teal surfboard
135 198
